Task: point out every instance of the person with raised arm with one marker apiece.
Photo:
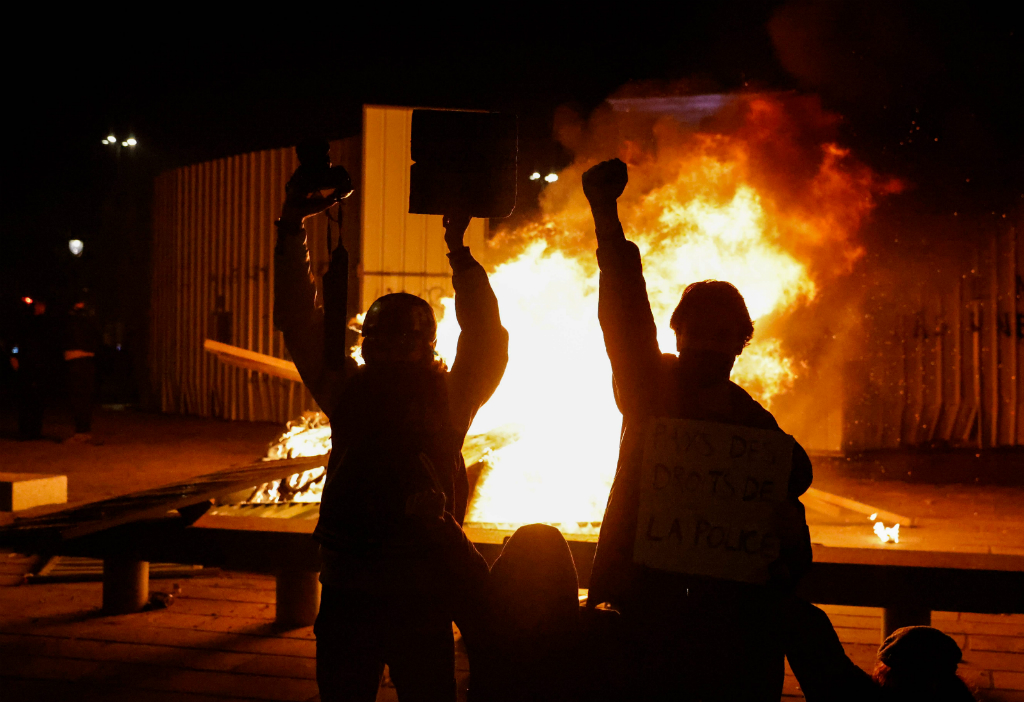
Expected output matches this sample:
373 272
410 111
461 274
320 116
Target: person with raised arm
695 637
396 566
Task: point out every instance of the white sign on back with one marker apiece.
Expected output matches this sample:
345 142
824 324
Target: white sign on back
709 497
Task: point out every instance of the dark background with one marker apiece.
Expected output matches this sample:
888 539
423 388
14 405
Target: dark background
190 88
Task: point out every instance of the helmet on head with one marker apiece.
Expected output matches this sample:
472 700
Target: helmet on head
402 323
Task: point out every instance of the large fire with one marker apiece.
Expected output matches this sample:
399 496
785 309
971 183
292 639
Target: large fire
700 206
759 202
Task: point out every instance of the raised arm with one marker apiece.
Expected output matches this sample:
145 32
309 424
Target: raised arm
630 335
297 312
820 664
483 343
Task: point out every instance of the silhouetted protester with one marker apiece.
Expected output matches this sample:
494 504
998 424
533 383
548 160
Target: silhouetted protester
822 668
33 366
695 637
532 646
397 567
913 664
918 663
80 346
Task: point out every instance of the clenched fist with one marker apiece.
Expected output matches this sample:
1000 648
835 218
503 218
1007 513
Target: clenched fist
603 183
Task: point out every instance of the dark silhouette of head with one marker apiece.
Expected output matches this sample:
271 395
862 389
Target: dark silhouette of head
712 316
919 663
535 582
399 328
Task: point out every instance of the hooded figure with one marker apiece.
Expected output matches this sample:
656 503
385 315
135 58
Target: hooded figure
397 567
913 664
533 637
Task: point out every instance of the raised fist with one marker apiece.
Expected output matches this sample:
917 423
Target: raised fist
298 204
603 183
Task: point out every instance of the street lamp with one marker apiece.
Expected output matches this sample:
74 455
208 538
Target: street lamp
111 140
75 246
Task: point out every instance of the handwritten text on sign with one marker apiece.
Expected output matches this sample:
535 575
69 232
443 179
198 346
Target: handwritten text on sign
708 498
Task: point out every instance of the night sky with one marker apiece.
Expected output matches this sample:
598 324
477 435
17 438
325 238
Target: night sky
191 89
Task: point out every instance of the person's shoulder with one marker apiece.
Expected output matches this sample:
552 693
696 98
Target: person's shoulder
749 411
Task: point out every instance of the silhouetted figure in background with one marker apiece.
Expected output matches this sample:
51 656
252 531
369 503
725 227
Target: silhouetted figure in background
533 639
397 567
914 664
695 637
34 367
81 343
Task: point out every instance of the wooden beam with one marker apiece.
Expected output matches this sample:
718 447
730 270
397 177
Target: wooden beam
814 497
251 360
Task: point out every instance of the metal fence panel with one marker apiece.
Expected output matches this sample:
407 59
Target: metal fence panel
945 358
401 252
213 275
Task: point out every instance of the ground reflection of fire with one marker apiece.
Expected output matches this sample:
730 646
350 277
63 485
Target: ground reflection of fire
763 201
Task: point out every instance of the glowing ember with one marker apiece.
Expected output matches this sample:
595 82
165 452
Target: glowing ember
887 534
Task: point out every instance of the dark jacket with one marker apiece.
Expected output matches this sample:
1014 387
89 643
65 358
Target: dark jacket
651 384
391 436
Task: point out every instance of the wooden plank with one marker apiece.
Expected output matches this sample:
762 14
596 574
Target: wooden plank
152 677
220 608
250 524
195 591
88 691
897 556
227 578
175 620
818 499
239 642
251 360
159 655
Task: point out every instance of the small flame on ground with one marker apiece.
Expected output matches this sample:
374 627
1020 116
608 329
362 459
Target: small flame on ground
887 534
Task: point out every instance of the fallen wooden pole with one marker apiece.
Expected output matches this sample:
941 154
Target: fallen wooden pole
814 497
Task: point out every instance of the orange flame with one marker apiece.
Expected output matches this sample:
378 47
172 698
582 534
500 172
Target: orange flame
699 205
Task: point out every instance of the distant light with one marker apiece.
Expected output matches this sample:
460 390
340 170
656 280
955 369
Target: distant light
124 143
118 347
535 176
551 177
27 300
14 349
112 139
131 141
75 246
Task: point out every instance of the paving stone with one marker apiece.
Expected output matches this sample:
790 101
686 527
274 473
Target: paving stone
1009 644
1005 680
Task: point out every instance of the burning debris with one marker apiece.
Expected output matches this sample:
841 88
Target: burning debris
887 534
309 435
